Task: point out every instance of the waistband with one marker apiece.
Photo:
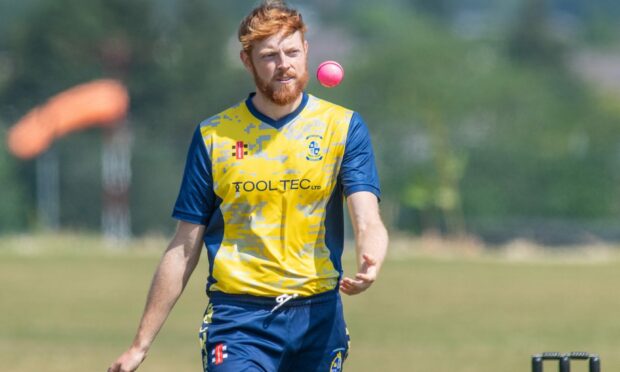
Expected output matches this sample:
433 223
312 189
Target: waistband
221 297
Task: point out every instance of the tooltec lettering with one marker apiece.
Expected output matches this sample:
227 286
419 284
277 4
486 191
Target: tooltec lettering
279 185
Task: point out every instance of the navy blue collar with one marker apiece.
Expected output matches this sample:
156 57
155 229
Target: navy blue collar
275 123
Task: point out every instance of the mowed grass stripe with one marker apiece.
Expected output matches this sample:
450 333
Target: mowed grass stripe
76 310
484 315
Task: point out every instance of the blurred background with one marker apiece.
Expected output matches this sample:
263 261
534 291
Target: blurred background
493 121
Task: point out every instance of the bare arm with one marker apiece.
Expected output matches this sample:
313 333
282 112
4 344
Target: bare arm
371 241
172 274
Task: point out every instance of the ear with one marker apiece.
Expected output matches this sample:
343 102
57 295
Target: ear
247 60
306 46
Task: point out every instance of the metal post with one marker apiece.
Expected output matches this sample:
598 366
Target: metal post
48 190
537 363
565 363
116 179
595 363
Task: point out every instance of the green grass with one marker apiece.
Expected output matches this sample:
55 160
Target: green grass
69 304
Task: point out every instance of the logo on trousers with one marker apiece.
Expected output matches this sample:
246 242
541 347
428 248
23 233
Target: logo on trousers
218 354
336 364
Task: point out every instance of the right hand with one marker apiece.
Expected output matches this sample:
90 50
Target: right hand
129 361
363 279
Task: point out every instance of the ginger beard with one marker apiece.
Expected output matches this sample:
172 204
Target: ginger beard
278 93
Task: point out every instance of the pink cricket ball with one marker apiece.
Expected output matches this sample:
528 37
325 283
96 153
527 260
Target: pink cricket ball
330 73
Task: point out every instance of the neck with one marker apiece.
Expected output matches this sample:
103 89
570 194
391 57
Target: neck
272 110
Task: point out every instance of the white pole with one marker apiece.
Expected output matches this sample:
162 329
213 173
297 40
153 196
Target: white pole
116 179
48 190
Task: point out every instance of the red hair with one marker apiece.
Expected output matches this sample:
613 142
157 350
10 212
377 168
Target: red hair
268 19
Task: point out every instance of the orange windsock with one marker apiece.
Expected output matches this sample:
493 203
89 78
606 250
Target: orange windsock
100 102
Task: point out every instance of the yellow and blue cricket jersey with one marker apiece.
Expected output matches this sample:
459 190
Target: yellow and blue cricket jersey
270 193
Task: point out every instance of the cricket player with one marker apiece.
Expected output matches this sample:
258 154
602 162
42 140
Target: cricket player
263 190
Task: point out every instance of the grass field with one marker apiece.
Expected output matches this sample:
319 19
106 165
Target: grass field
69 304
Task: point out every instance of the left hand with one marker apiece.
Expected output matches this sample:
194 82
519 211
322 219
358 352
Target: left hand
366 275
129 361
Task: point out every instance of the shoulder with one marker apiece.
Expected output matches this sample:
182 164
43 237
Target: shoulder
233 113
352 119
324 106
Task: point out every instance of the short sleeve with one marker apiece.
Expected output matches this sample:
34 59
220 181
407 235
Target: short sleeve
358 171
196 198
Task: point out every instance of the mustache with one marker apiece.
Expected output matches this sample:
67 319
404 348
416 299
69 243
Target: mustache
285 75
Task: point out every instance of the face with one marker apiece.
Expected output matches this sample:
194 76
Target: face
279 67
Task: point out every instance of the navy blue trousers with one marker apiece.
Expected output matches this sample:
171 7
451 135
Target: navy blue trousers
241 333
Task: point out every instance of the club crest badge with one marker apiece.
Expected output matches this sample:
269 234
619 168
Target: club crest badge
313 146
336 364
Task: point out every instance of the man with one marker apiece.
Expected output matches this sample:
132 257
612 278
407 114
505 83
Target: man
263 188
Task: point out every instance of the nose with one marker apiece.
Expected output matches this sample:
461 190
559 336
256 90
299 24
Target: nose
283 62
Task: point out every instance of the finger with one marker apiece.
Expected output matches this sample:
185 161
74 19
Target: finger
352 290
356 282
350 281
346 285
355 286
349 290
366 278
346 289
